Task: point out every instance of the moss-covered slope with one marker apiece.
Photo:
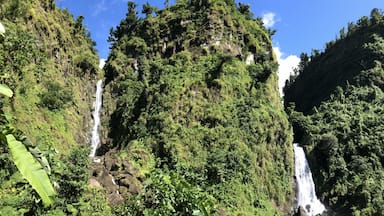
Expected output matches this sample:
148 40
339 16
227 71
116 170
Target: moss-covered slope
51 65
48 60
184 101
340 92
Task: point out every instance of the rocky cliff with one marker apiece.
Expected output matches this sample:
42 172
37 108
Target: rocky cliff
191 91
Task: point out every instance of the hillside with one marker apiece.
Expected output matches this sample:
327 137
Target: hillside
48 61
347 60
192 108
335 103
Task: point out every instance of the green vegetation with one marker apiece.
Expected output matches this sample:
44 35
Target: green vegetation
31 170
168 194
193 126
55 97
52 69
4 90
186 107
338 117
347 60
48 60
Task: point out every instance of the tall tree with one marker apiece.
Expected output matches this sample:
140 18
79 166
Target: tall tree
245 9
129 21
376 15
147 9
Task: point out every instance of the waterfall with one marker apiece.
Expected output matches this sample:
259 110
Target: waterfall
95 137
305 188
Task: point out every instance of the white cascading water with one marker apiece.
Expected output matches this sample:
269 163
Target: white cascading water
305 188
95 137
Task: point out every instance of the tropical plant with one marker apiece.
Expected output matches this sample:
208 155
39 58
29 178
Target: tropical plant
2 30
177 83
31 170
56 96
169 194
25 162
337 116
4 90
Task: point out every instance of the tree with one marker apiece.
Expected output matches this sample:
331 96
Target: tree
245 9
26 163
74 176
342 33
147 9
363 21
131 16
129 21
304 60
376 15
230 3
79 24
55 97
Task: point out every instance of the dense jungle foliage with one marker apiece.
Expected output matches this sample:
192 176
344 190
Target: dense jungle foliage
48 62
335 102
191 91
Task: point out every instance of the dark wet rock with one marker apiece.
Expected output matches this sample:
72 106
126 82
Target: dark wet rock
111 163
140 178
300 211
128 167
115 198
97 171
134 189
126 181
131 183
118 178
123 189
106 180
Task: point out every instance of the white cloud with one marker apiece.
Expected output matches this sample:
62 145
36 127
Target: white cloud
101 63
99 7
269 19
286 65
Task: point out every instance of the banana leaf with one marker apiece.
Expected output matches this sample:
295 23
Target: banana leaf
31 170
4 90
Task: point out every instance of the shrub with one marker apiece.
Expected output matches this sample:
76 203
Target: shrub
55 97
168 194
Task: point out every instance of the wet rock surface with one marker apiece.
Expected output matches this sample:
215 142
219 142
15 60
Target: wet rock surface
119 178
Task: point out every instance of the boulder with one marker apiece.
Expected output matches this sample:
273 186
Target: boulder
111 164
107 181
115 198
94 183
128 167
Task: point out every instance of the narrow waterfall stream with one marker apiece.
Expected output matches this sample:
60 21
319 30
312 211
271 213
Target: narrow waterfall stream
305 188
95 136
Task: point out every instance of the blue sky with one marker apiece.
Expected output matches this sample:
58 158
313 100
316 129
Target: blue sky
302 25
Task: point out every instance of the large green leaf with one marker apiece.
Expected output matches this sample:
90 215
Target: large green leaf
5 90
2 30
31 170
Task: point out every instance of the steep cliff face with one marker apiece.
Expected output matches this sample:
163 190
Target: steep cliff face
48 61
338 117
51 65
194 105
